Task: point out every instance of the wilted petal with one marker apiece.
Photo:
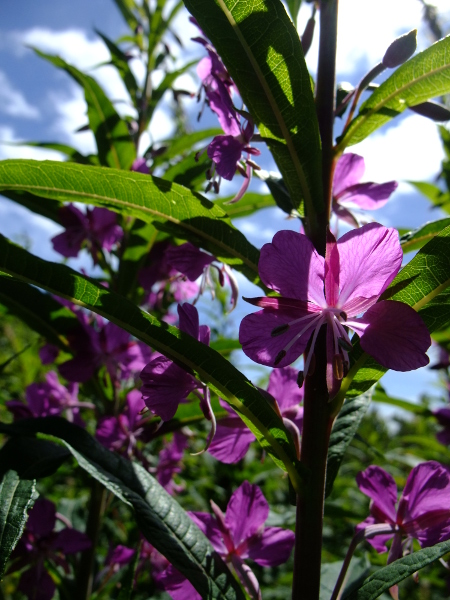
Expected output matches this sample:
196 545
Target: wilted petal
349 170
291 266
395 336
272 548
370 258
380 486
247 510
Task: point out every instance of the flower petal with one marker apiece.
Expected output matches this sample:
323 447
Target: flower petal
284 388
291 266
225 151
208 525
231 441
376 483
369 196
247 510
349 170
272 548
262 347
189 260
188 316
370 258
424 506
395 336
378 541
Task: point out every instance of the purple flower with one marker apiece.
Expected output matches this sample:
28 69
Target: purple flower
333 292
443 418
162 282
233 437
98 228
169 463
240 534
101 343
422 512
140 166
165 384
122 433
193 263
39 544
347 190
226 150
50 398
48 353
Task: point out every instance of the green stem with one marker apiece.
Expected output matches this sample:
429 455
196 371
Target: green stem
85 575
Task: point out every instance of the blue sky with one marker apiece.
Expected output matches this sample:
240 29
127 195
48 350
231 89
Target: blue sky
38 102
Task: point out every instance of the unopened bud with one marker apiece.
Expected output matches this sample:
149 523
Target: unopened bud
279 357
300 379
308 34
432 110
400 50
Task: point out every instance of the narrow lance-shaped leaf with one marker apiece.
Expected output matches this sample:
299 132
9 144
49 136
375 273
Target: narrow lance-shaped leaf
262 51
168 206
159 516
208 365
39 311
121 61
16 498
114 144
400 569
425 76
419 237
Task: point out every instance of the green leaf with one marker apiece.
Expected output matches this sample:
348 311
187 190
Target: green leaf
16 498
249 204
209 366
159 516
434 193
114 144
379 395
294 7
400 569
137 243
417 238
127 582
181 145
167 205
31 458
126 8
40 206
39 311
165 85
72 153
425 76
358 570
419 284
120 60
262 51
344 429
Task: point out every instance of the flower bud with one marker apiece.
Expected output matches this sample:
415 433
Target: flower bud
400 50
432 110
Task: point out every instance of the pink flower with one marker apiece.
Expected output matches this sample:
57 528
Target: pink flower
333 291
347 190
233 437
240 534
423 509
98 228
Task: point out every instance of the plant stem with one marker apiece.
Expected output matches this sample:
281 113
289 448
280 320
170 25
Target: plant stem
315 436
85 574
317 422
325 106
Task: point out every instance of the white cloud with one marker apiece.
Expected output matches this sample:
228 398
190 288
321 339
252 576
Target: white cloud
12 101
410 150
10 149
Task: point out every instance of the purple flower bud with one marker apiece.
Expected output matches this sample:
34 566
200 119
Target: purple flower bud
400 50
